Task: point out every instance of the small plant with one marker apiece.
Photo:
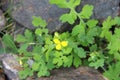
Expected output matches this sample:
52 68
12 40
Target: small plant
113 71
87 44
58 50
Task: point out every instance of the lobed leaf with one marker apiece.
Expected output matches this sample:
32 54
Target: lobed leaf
38 21
86 12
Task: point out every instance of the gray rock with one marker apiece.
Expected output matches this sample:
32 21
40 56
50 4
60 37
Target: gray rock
23 10
2 20
102 8
81 73
11 66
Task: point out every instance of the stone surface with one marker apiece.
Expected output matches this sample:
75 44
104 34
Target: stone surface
102 8
2 20
81 73
23 10
10 66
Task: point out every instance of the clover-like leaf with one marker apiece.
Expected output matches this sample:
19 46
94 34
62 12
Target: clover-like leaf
86 12
38 21
68 17
92 23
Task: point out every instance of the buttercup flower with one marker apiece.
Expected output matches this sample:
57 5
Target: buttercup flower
20 62
56 41
64 43
58 47
60 44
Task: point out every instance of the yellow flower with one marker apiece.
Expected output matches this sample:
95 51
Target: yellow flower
60 44
20 62
56 34
64 43
56 41
58 47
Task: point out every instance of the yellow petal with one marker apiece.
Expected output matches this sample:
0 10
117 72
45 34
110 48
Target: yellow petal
20 62
56 41
64 43
58 47
56 34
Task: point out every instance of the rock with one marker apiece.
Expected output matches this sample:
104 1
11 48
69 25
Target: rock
2 20
81 73
11 66
23 10
102 8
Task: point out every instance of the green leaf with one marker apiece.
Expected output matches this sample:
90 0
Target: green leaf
97 64
107 24
70 18
117 56
114 44
35 66
78 29
92 23
64 35
77 61
36 57
67 50
85 10
113 73
65 3
37 49
96 59
20 38
117 32
80 52
9 42
38 21
50 65
65 59
69 61
58 60
91 34
25 73
117 20
93 48
23 48
73 3
59 3
29 35
76 3
38 31
43 71
45 31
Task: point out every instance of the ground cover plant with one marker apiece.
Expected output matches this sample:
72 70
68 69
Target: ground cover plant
87 44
